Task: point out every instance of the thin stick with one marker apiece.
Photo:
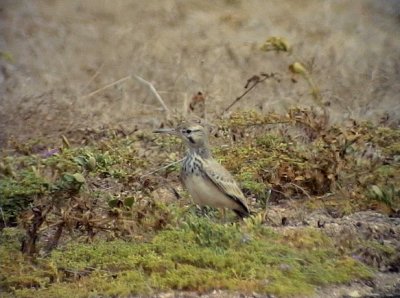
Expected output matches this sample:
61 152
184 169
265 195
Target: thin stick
302 189
162 168
97 72
3 217
265 123
106 86
154 91
255 80
282 193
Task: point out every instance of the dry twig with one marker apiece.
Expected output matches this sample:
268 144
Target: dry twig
161 168
252 82
302 189
106 87
154 91
97 72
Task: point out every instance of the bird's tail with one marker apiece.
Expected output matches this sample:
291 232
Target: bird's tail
242 213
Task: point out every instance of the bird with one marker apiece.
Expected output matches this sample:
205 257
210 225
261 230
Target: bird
206 180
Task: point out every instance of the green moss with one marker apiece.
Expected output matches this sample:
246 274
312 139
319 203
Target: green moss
18 272
11 238
198 256
387 138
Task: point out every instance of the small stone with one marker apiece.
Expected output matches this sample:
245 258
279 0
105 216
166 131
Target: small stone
285 267
246 238
354 294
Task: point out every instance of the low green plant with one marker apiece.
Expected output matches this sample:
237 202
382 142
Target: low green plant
197 255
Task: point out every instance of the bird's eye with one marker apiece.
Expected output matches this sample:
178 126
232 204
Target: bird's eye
188 131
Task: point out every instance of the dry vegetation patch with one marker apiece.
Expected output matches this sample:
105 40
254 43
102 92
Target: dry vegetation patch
90 199
106 195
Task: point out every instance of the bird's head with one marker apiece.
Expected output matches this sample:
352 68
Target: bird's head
194 135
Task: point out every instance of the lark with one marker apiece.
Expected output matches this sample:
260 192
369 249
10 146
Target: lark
207 181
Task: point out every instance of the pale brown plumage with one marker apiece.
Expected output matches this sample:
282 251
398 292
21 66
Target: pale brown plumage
207 181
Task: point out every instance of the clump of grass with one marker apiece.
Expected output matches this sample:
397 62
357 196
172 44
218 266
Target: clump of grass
299 155
197 255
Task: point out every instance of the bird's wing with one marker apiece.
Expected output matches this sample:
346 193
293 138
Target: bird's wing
224 181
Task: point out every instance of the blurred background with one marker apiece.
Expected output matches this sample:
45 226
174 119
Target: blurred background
65 65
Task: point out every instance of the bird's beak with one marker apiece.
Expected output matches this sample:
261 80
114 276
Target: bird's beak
171 131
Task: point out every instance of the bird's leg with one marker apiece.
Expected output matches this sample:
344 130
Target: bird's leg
223 215
202 211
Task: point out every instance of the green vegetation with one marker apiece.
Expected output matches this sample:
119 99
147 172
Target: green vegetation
90 200
98 218
196 255
359 162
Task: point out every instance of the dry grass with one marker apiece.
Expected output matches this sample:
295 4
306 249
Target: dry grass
66 70
55 53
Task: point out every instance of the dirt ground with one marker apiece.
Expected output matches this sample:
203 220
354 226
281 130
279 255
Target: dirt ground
59 57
